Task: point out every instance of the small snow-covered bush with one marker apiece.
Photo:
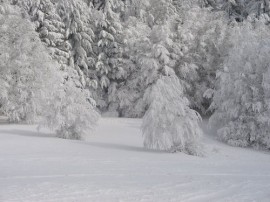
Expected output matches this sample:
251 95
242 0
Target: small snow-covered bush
70 112
169 124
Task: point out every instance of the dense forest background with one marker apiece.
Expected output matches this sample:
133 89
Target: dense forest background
64 62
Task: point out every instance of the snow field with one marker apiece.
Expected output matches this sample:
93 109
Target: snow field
112 166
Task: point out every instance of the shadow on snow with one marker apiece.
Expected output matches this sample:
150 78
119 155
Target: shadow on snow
26 133
123 147
103 145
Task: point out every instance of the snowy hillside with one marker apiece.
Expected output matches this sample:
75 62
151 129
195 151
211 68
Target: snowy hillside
112 166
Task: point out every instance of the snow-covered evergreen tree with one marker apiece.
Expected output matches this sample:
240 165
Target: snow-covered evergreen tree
239 10
109 68
128 94
200 48
139 46
167 107
242 101
64 27
33 88
169 124
77 16
51 28
26 68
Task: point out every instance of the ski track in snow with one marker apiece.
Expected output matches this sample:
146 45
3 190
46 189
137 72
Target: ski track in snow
112 166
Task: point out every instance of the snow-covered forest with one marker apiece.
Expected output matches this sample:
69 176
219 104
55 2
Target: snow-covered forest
186 68
65 62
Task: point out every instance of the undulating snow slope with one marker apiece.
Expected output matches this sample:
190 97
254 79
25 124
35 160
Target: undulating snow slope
112 166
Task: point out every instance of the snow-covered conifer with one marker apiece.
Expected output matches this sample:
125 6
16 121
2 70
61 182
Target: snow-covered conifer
169 124
201 45
33 88
239 10
241 102
109 66
26 68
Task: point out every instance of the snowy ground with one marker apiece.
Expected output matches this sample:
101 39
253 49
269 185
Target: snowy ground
112 166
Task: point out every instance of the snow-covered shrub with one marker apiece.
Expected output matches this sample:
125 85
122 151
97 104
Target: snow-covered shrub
70 111
242 107
169 124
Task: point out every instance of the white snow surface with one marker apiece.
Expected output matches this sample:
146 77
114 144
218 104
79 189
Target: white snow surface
112 166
